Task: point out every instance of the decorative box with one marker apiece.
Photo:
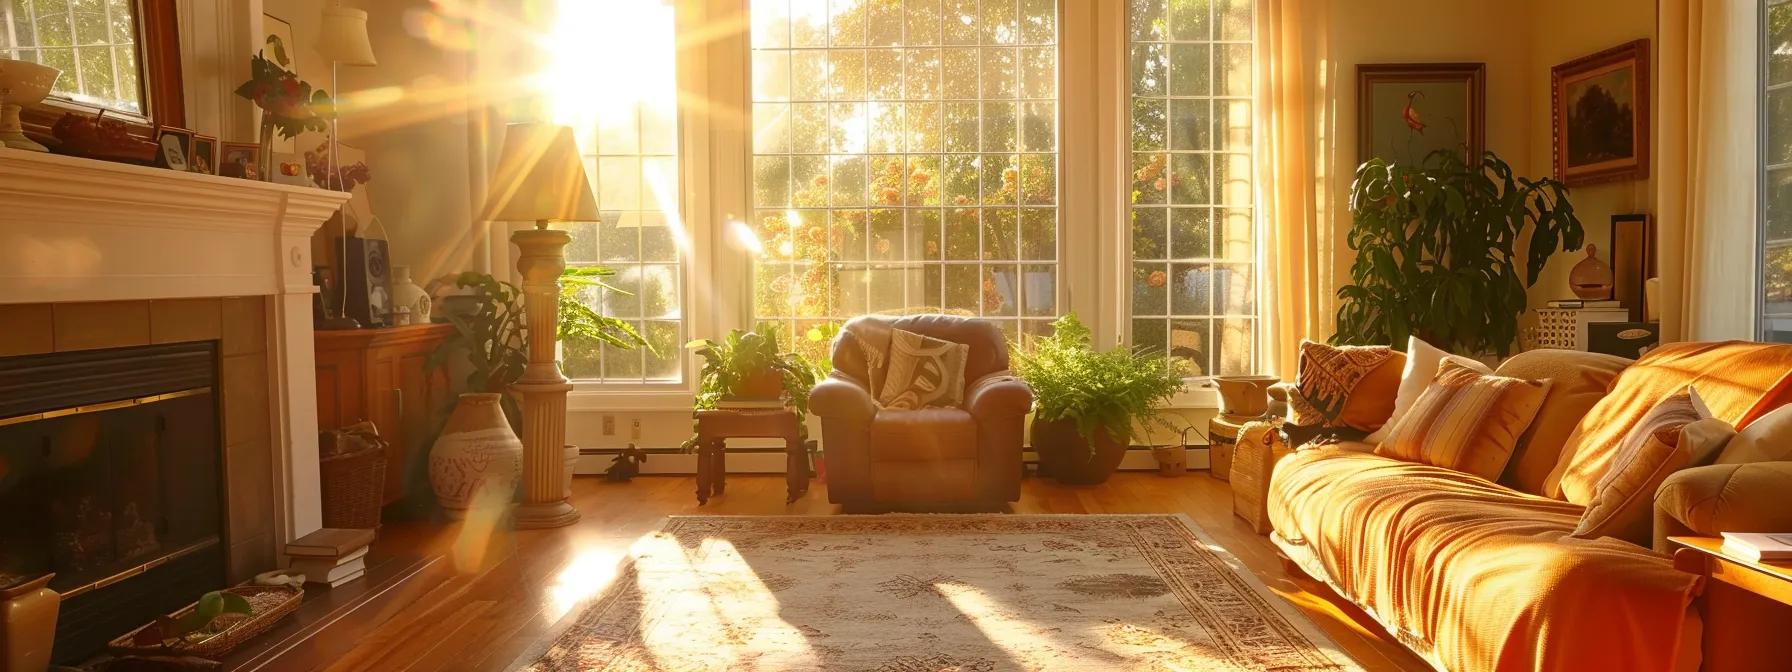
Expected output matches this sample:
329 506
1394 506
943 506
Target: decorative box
1566 328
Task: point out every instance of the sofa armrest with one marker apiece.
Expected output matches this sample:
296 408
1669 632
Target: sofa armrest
1705 501
998 395
843 397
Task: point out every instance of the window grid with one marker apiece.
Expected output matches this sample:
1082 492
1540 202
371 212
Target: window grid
96 69
1192 285
1776 252
876 216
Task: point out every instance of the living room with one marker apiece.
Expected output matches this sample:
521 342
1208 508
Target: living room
895 334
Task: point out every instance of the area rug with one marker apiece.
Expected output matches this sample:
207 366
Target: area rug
913 593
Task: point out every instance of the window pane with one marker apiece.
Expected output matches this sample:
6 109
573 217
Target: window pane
934 183
1776 129
1194 280
93 43
628 133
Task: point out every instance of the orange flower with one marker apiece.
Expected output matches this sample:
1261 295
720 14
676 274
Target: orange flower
1156 279
821 180
890 195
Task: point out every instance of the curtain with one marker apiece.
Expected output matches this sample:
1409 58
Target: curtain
1291 123
1706 163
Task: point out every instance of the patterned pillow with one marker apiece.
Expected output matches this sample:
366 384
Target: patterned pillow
1678 433
1466 421
923 371
1351 386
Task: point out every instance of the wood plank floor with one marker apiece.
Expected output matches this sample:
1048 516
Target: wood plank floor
497 591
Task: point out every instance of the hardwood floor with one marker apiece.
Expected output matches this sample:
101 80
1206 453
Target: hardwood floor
496 592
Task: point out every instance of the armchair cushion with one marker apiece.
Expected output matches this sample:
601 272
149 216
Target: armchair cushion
1707 501
923 435
843 397
1767 439
923 371
998 395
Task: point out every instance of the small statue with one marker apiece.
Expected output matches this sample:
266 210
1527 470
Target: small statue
627 465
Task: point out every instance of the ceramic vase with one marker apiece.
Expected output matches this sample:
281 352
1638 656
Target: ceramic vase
571 456
1591 279
28 624
406 294
477 460
1245 396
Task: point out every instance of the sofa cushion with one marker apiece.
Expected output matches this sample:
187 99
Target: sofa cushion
923 434
1768 439
923 371
1577 380
1422 362
1731 377
1466 421
1345 386
1678 433
1474 575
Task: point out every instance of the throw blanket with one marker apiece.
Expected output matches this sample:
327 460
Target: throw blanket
1325 378
1473 575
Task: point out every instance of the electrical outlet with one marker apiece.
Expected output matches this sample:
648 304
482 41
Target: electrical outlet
609 425
634 430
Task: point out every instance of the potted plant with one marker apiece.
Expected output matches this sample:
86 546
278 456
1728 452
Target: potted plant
1437 251
1086 402
751 366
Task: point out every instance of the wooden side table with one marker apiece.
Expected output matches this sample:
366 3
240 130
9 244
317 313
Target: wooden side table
1747 604
715 427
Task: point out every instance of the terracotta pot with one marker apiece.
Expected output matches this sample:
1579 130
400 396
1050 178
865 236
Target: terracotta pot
763 385
477 460
1245 396
28 624
1066 456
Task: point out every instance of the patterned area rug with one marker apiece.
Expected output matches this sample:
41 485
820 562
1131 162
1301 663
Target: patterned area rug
904 593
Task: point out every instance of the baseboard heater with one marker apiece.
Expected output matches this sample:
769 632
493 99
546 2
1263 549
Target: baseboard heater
768 460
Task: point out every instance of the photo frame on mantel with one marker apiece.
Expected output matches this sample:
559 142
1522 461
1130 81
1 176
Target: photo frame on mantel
1633 261
1406 111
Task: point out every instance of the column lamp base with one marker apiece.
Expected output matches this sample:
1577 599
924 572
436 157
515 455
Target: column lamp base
545 515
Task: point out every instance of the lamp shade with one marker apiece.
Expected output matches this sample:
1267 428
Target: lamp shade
540 177
342 38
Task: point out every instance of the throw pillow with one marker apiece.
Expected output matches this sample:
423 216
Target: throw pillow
1678 433
1767 439
1349 386
1422 360
1466 421
1577 381
923 371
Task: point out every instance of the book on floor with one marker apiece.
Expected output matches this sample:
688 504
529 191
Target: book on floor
345 579
330 574
329 543
1759 545
1586 303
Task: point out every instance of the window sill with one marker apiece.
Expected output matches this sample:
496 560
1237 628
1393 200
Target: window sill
1197 395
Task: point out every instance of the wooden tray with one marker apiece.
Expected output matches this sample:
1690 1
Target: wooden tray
243 629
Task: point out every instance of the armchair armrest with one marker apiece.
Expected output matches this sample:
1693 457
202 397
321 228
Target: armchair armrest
1705 501
998 395
843 397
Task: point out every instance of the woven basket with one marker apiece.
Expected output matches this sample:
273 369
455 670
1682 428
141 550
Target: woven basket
353 481
240 630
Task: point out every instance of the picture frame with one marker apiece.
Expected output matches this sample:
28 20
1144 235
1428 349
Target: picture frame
1398 102
239 160
204 157
1599 114
173 146
1633 261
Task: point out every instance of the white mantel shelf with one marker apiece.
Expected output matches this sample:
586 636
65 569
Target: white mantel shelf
74 230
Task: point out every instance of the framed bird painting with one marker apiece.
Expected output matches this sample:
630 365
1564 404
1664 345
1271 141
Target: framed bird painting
1406 111
1601 115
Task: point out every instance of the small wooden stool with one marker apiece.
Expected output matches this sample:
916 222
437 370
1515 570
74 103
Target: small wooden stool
715 427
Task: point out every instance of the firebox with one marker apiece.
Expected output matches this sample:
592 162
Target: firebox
111 475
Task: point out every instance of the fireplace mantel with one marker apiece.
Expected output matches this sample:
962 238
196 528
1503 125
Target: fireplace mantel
77 230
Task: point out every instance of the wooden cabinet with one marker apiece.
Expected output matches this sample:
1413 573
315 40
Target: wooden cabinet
381 375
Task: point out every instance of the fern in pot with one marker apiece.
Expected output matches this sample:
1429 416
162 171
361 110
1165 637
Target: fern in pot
1086 402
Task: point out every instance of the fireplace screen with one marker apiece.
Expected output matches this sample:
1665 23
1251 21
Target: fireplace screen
116 488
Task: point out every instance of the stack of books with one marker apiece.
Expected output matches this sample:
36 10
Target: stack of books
1759 546
1586 304
330 556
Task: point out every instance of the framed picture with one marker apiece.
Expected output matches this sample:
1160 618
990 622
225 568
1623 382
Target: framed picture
278 46
204 157
173 146
239 159
1406 111
1633 261
1600 114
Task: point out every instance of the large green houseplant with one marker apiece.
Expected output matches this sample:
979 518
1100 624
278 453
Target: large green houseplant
1437 251
1086 402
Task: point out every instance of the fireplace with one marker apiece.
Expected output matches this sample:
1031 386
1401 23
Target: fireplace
111 478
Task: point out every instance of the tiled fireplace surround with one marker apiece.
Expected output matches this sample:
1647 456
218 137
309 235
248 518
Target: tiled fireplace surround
101 255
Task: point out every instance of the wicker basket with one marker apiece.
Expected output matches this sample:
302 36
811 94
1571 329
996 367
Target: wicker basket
352 475
1260 447
240 630
1222 441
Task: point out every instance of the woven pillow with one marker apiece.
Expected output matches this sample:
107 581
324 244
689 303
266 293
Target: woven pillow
1678 433
1466 421
1351 386
923 371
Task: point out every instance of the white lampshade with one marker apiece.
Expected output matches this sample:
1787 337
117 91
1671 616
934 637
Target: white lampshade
342 38
540 178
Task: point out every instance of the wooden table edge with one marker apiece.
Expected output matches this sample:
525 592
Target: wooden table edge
1705 556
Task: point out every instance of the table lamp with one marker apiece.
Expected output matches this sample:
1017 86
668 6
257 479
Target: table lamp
341 38
541 178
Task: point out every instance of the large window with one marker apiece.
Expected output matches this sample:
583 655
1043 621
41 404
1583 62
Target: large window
905 158
93 43
1776 308
1194 242
627 131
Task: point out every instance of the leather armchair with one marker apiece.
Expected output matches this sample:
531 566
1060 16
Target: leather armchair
929 458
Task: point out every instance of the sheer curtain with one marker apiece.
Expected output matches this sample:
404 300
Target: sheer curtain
1292 113
1706 141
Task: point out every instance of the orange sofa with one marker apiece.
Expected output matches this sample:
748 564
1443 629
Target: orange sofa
1477 575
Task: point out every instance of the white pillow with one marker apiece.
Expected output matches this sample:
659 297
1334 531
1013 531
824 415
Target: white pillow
1422 362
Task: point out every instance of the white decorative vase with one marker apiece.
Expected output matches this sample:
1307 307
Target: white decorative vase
28 624
477 460
571 455
406 294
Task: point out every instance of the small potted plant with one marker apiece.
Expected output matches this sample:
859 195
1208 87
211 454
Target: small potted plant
751 369
1086 402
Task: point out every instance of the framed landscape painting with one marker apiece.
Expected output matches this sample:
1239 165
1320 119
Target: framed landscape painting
1406 111
1601 116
